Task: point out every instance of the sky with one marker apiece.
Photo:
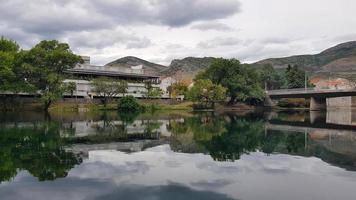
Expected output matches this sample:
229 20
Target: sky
162 30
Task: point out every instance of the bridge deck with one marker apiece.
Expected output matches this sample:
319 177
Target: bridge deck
310 92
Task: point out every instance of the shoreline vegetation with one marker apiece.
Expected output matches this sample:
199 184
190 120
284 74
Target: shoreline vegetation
227 84
150 105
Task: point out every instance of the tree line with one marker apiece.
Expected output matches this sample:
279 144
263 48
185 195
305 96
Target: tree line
41 71
237 82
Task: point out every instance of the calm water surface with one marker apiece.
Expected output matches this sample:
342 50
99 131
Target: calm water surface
269 156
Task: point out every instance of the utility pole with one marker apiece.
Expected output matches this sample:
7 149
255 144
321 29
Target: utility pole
305 81
265 85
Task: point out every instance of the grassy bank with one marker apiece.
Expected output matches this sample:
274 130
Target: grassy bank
92 107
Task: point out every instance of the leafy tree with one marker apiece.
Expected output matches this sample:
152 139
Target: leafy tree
205 92
129 103
7 45
43 66
241 80
9 80
71 87
154 93
271 78
177 89
8 52
295 77
108 88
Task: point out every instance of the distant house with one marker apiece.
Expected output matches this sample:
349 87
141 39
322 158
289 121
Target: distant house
337 83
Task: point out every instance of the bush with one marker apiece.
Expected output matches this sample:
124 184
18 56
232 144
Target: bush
292 103
130 103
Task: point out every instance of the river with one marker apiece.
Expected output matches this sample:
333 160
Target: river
178 155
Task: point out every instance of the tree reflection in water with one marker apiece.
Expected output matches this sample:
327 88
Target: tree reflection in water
38 149
227 137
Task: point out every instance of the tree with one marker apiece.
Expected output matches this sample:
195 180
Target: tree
8 51
107 88
154 93
71 87
10 82
177 89
205 92
43 66
271 78
240 80
129 103
295 77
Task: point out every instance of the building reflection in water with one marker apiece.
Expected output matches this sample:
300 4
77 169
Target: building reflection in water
224 137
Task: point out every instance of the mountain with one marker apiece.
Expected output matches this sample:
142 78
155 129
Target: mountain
129 61
188 67
337 61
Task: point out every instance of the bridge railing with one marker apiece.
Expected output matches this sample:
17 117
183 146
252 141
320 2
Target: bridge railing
307 90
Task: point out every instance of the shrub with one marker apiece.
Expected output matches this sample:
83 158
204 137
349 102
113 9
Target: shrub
130 103
292 103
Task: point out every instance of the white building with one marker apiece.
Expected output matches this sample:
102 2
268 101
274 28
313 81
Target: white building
135 76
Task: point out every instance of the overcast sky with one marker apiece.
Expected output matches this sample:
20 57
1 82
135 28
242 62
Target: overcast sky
161 30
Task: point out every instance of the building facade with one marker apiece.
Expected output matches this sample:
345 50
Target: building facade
84 73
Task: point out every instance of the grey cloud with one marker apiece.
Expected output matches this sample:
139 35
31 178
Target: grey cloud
276 40
45 17
183 12
220 41
212 26
104 38
344 38
173 13
89 24
139 43
52 17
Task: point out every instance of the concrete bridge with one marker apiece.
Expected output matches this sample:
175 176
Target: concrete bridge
320 99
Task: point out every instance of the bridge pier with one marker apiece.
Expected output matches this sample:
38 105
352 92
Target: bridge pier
317 103
268 102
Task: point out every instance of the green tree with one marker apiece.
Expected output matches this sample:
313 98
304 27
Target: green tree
44 65
206 93
241 80
7 45
10 82
8 52
71 87
129 103
295 77
270 78
108 88
177 89
154 93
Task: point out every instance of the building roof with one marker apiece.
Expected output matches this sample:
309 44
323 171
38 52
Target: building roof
87 71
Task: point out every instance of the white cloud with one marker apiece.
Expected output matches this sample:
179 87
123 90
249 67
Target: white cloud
160 30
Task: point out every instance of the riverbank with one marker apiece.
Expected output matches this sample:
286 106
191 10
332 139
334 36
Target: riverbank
150 105
84 105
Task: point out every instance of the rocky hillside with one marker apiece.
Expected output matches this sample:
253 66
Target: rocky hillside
129 61
338 61
188 67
